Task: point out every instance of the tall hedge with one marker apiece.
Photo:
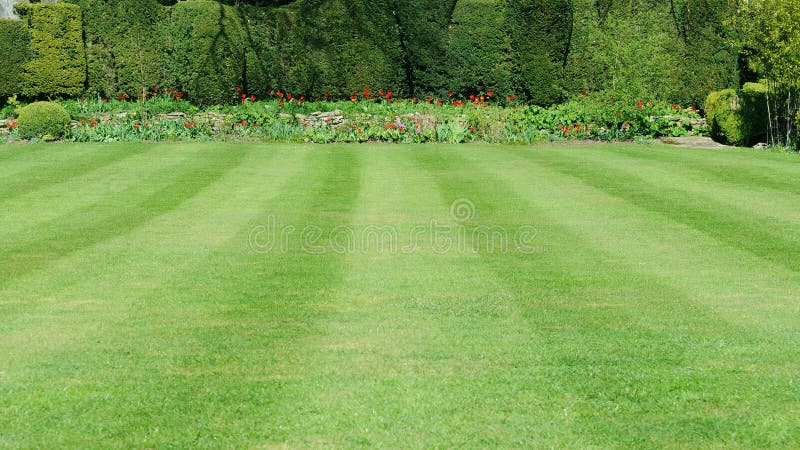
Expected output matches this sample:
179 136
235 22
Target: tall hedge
540 33
478 50
123 45
204 51
323 47
15 48
58 63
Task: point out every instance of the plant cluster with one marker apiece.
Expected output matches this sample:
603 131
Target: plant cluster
379 116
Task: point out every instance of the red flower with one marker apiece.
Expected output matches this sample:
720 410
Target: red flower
388 95
83 120
289 96
640 105
490 94
281 102
11 125
136 125
252 98
279 94
238 89
472 129
450 94
619 113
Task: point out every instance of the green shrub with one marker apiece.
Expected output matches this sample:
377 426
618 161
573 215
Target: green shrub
738 118
725 121
42 120
478 49
540 32
123 46
15 48
58 65
204 51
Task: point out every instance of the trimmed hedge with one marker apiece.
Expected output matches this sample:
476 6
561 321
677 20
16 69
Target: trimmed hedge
42 120
58 63
204 53
478 51
541 50
123 46
15 47
738 118
540 33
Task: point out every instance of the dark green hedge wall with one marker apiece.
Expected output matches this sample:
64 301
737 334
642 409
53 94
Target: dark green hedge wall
204 53
58 62
15 47
542 50
540 32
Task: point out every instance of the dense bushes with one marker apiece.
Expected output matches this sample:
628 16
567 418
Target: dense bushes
42 120
738 118
15 51
204 51
675 50
58 63
540 33
544 51
123 47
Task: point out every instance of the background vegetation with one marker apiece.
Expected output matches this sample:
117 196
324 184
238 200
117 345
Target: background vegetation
542 51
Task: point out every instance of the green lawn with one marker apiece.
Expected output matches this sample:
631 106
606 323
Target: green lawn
652 301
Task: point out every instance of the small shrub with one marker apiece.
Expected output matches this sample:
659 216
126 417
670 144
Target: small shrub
738 118
42 120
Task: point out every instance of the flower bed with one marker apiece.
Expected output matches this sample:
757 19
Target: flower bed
370 117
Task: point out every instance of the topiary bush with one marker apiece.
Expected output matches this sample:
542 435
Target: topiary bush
15 47
58 66
46 120
204 51
738 118
123 46
478 48
723 116
540 33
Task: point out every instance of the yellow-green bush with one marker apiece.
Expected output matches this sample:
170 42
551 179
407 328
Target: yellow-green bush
15 50
738 118
42 120
58 63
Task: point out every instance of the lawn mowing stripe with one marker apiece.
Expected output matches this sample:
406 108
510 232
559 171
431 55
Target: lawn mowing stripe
742 196
697 262
12 152
101 222
56 202
753 234
391 355
145 257
666 328
55 172
720 167
238 328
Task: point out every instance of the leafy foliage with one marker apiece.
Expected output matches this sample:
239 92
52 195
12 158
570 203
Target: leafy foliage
42 119
15 48
58 63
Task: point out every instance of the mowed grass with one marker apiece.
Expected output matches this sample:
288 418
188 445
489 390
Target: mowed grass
654 303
